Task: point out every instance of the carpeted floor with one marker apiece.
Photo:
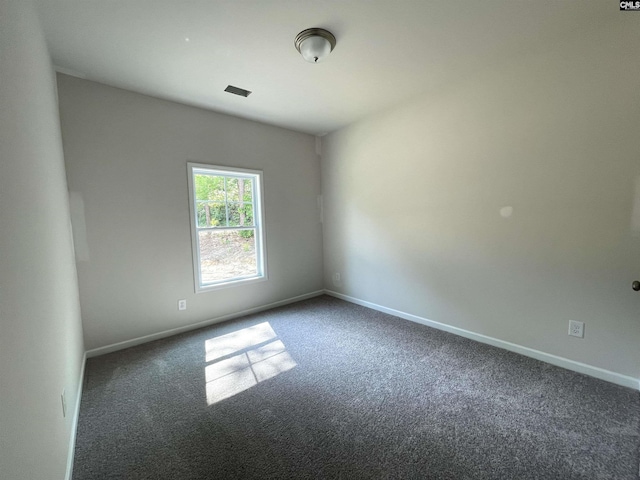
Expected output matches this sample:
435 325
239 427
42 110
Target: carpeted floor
327 389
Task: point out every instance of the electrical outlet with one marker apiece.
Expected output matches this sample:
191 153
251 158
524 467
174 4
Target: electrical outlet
576 329
63 397
337 279
182 304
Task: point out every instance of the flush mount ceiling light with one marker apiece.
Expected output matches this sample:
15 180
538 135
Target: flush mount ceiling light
314 44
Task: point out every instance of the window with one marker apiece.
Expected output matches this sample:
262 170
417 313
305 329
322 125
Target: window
226 226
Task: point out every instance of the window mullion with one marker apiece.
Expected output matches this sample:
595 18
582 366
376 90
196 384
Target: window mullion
213 229
226 203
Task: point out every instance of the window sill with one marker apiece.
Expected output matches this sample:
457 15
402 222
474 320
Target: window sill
231 283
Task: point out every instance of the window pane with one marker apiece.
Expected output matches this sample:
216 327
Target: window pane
240 214
248 212
227 254
248 190
239 189
211 214
232 189
209 187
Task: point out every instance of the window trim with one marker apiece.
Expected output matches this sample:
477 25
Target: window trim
259 215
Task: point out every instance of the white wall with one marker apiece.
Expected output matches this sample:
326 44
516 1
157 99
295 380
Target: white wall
126 155
40 330
412 199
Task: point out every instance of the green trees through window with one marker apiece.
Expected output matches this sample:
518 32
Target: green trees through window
224 201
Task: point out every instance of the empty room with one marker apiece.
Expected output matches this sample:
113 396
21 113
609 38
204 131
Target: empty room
261 239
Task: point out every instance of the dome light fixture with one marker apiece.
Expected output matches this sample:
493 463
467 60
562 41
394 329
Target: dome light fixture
314 44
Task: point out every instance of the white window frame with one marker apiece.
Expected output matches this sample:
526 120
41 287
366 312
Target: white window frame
258 214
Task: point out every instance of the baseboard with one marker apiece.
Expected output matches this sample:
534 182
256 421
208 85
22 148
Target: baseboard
174 331
74 424
579 367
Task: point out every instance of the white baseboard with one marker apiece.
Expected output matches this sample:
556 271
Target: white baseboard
74 424
174 331
579 367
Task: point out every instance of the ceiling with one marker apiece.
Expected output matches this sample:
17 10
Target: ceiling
387 50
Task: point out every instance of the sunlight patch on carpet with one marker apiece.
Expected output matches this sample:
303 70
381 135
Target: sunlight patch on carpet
242 359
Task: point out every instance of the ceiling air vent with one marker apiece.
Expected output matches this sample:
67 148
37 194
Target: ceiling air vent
237 91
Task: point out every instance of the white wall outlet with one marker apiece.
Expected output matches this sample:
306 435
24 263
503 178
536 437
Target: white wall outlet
63 397
337 279
576 329
182 304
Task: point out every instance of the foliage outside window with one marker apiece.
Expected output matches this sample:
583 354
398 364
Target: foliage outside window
226 225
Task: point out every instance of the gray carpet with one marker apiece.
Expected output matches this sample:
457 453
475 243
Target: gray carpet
327 389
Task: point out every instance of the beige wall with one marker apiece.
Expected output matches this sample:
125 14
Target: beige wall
126 156
412 201
40 330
